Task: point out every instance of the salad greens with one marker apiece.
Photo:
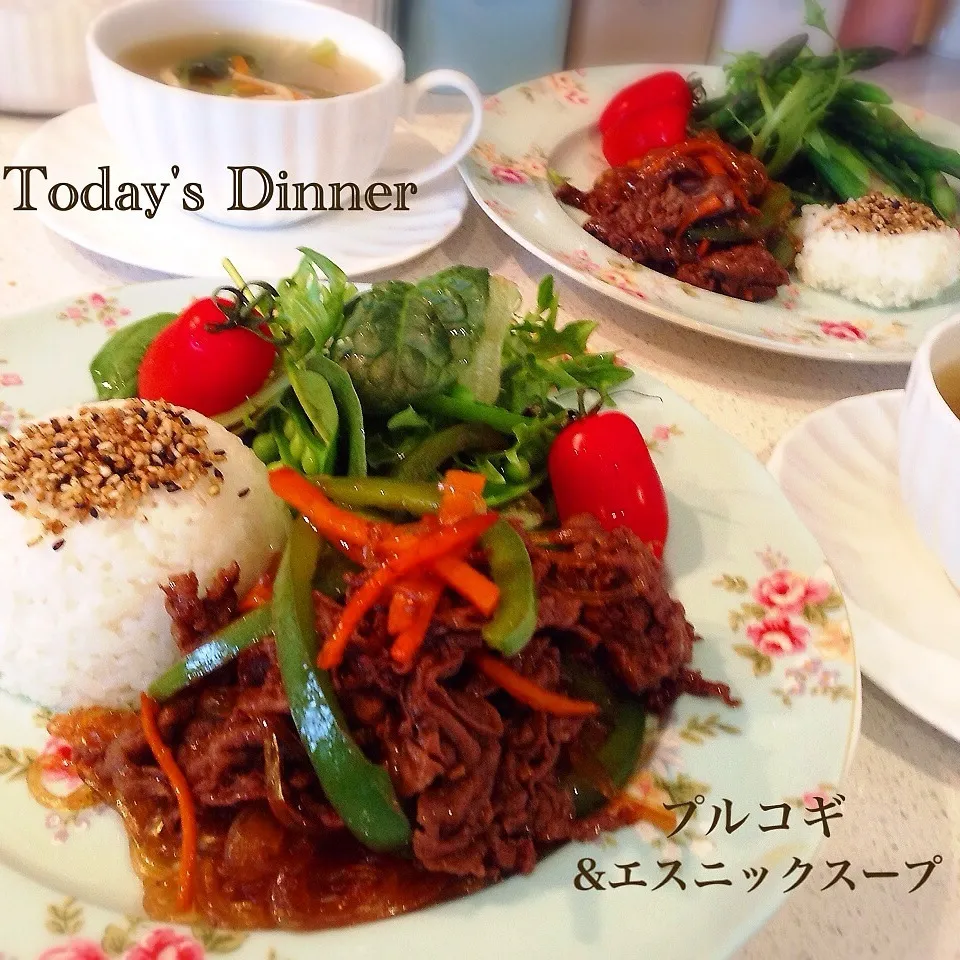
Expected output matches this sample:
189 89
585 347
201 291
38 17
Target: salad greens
402 379
827 136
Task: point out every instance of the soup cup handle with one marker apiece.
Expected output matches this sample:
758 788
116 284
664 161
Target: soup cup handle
415 92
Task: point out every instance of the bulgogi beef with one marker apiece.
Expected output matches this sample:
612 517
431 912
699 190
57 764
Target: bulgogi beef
644 212
482 777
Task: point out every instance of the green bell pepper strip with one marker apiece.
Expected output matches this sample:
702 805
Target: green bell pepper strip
619 756
416 497
774 210
382 493
425 460
515 618
359 791
216 651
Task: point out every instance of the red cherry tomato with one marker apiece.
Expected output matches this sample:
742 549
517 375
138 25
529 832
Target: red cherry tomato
639 133
600 465
203 369
656 90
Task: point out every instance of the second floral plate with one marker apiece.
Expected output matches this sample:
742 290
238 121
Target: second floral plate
550 124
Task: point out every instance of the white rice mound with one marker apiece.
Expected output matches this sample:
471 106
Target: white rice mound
881 269
85 624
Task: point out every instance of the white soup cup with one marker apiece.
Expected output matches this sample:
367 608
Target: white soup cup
339 140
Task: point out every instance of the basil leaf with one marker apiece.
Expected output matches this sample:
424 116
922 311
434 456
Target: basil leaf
115 367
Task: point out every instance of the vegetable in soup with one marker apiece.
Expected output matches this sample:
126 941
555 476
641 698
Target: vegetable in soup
250 66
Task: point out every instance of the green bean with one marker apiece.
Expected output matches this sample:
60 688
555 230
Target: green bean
265 447
309 462
941 194
864 92
847 183
844 184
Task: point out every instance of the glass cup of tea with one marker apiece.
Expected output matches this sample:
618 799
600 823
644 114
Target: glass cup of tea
262 114
929 448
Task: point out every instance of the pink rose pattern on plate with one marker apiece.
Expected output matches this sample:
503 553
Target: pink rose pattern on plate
131 939
498 168
786 615
96 308
862 332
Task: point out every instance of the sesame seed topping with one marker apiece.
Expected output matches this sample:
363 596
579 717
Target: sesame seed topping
59 543
878 213
100 461
242 493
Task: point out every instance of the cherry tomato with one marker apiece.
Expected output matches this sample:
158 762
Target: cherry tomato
205 370
638 133
656 90
600 465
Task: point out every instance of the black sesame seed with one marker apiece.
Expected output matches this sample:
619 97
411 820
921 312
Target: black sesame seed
8 496
219 453
217 473
95 513
172 487
243 492
58 544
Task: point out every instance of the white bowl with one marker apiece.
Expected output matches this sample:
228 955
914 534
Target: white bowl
182 137
930 449
43 62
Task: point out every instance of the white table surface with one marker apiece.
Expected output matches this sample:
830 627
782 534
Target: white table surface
903 790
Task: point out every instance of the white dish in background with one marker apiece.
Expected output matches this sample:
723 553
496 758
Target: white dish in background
43 62
839 470
930 448
75 145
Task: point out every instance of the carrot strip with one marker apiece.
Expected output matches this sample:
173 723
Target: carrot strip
472 585
185 804
706 208
465 480
430 549
388 541
408 642
462 495
262 591
712 165
526 691
240 65
407 597
342 528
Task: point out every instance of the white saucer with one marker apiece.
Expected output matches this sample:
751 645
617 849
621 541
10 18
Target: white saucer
839 470
73 146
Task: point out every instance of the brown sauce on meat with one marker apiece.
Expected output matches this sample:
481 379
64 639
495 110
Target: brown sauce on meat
643 212
483 779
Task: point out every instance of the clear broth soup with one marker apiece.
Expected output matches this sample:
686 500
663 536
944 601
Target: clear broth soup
250 66
947 380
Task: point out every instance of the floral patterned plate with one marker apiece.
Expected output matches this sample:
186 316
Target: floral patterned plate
773 626
550 123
